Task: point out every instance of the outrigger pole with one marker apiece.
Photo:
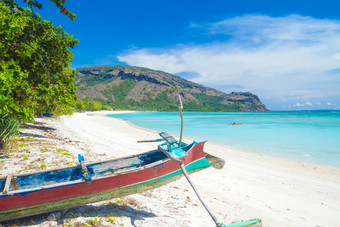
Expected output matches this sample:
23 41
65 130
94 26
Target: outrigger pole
193 186
180 107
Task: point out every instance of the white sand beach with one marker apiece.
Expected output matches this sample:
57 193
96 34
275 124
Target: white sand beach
280 192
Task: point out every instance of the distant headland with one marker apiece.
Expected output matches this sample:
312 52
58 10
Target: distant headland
137 88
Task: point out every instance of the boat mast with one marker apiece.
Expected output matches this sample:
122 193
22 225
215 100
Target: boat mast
180 107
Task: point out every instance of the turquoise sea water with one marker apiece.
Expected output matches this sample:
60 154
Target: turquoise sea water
303 136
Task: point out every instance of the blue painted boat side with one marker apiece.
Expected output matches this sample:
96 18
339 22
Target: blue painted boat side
39 179
59 176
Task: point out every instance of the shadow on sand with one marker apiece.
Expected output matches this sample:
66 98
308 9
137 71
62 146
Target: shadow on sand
87 211
41 127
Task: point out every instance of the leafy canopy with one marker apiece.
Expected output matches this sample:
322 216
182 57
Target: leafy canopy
35 73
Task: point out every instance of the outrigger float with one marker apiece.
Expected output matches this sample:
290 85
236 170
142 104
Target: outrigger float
35 193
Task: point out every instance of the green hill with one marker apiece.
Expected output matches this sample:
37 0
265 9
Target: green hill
137 88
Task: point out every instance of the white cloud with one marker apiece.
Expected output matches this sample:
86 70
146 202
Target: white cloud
307 103
298 104
279 58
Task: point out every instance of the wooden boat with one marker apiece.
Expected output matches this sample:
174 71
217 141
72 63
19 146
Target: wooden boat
35 193
234 123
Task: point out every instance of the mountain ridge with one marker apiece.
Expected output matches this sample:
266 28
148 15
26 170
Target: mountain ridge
139 88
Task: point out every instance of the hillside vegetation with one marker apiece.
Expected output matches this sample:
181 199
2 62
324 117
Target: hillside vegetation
137 88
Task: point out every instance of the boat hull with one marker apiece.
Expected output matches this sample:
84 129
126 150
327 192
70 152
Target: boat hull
21 203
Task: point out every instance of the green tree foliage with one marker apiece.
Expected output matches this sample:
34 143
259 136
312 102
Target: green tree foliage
93 105
35 73
9 128
80 105
106 107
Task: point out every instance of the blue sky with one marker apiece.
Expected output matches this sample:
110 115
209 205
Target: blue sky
286 52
